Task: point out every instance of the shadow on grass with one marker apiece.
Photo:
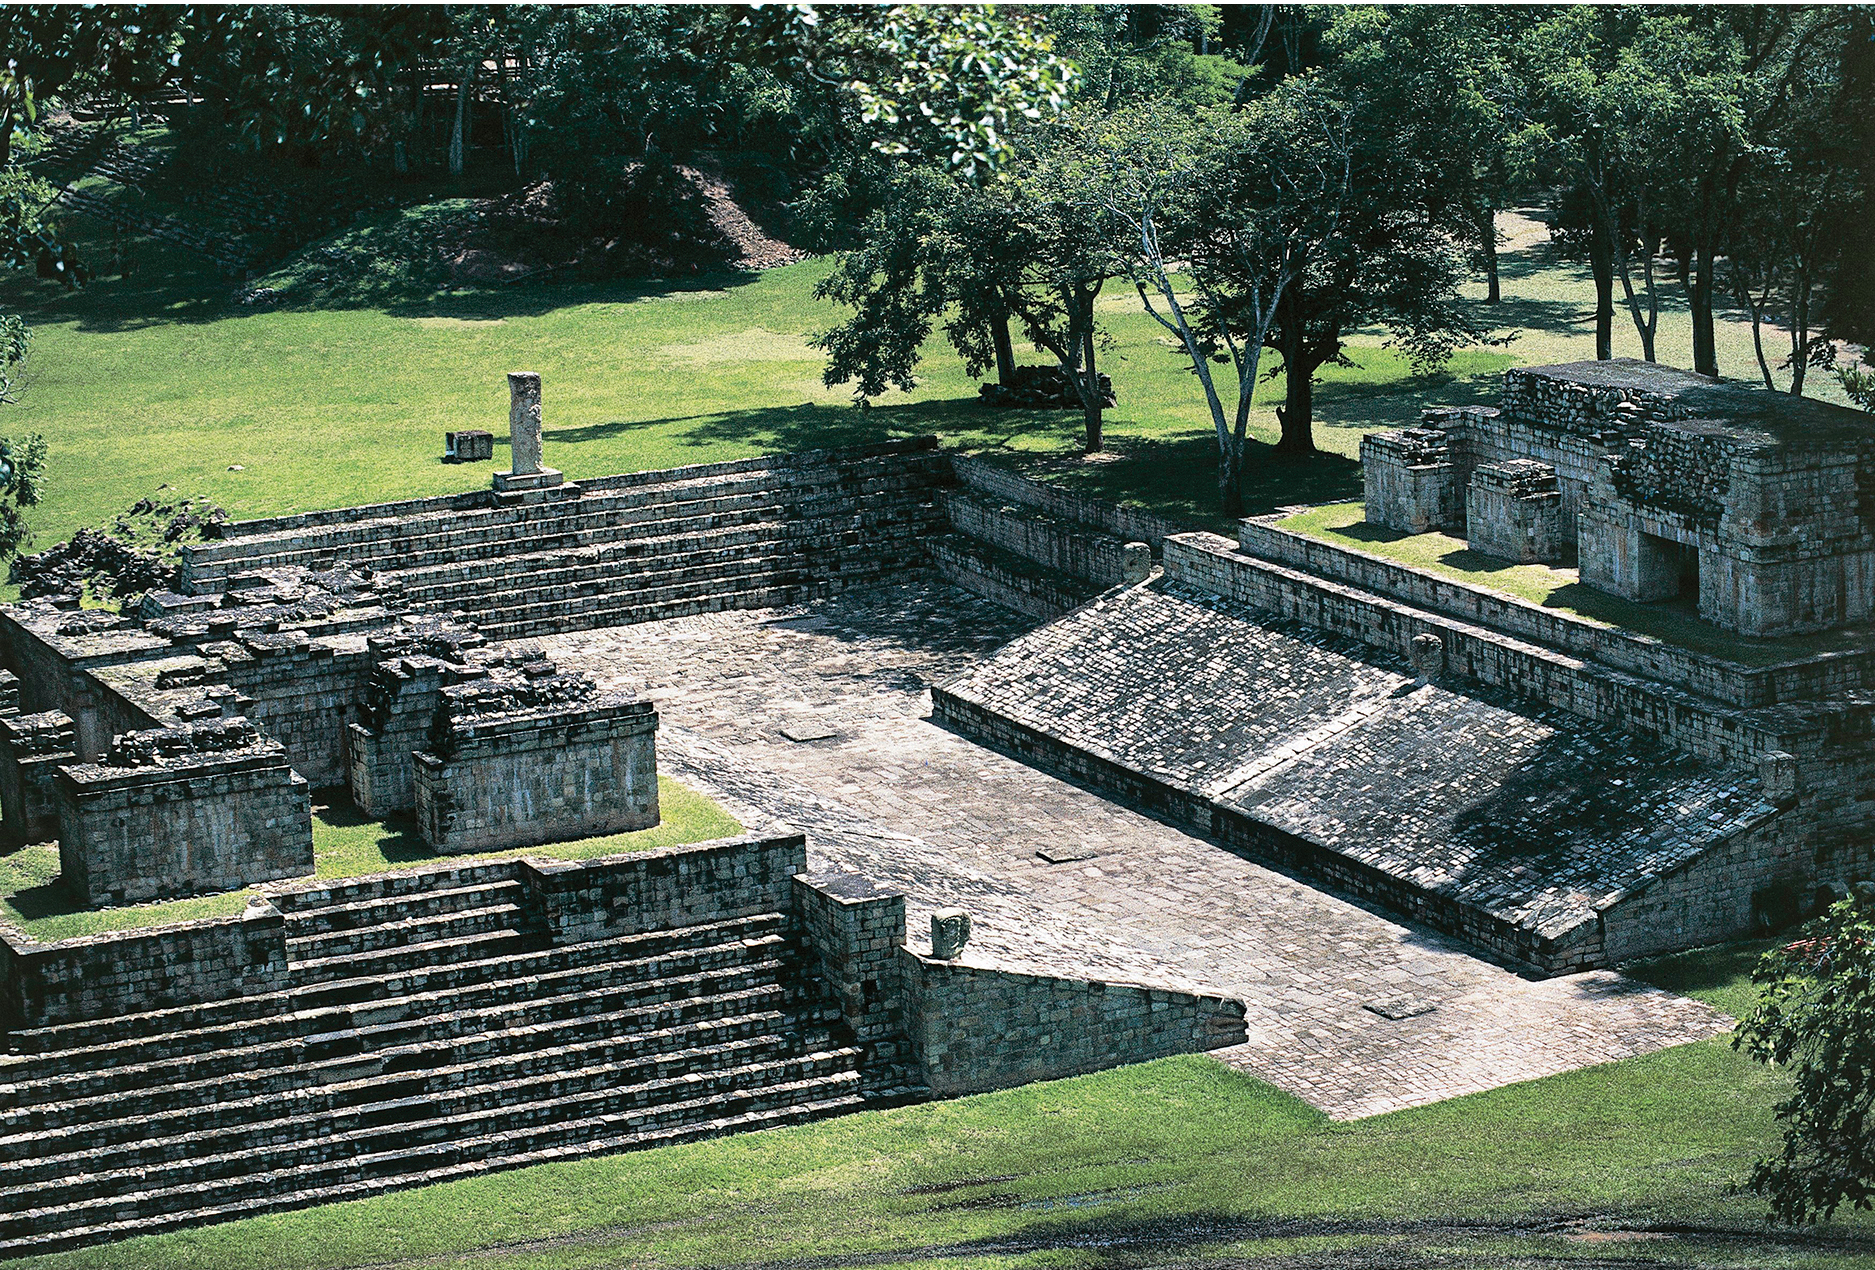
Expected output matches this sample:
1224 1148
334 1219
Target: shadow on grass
48 899
168 286
1719 975
396 840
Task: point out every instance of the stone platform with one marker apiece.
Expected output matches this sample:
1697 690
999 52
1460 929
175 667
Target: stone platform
818 714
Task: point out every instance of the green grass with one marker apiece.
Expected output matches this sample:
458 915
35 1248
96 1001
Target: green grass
1178 1157
1345 525
345 845
161 379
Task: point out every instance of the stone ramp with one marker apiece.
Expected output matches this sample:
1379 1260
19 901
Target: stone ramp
1513 826
426 1033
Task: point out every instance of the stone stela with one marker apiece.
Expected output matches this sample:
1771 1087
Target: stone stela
524 437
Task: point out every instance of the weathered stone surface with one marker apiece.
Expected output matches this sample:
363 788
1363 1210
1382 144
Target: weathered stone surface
1513 510
207 807
950 931
531 756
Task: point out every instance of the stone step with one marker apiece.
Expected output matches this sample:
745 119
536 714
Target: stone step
287 1062
605 556
419 540
370 1139
150 1212
138 1138
153 1035
459 929
499 934
730 579
360 914
388 887
630 613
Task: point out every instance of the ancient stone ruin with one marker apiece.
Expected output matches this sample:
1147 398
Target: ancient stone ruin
1658 483
1557 793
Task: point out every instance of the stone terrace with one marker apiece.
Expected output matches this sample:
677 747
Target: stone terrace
830 700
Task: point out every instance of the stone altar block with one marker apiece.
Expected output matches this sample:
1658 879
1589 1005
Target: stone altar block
1409 481
173 811
1513 510
543 759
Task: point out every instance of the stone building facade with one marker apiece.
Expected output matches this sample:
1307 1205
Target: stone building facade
1757 507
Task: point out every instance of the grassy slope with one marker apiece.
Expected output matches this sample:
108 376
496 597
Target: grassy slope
345 845
1176 1156
159 379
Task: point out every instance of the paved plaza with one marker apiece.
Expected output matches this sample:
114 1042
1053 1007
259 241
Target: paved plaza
817 715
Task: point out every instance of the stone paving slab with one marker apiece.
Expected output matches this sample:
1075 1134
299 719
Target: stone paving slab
893 796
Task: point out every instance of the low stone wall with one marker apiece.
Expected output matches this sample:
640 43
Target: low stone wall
1513 511
133 971
657 890
969 1028
1827 674
1006 579
1125 523
1050 542
974 1028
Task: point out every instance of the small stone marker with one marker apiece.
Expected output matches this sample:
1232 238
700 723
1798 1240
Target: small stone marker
1427 653
1404 1006
1135 562
469 446
950 931
1064 855
800 732
524 437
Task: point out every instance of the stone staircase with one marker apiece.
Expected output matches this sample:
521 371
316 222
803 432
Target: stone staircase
624 549
425 1033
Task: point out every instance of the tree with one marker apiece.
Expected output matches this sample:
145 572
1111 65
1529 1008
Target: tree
1213 218
1816 1017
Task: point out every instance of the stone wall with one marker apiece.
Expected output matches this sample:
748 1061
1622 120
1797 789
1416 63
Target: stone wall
642 891
968 1028
1005 578
974 1028
32 749
1050 542
1125 523
1826 674
130 972
303 693
180 811
853 931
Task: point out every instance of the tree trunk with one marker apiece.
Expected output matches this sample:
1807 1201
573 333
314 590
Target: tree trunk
1602 265
1296 415
1705 353
1230 483
1091 401
1487 235
457 139
1005 350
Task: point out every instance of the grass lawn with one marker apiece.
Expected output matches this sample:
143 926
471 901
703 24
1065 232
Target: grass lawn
1345 525
1182 1161
345 845
161 379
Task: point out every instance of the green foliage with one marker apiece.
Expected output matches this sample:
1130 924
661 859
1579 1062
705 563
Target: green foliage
1858 382
22 484
1816 1019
